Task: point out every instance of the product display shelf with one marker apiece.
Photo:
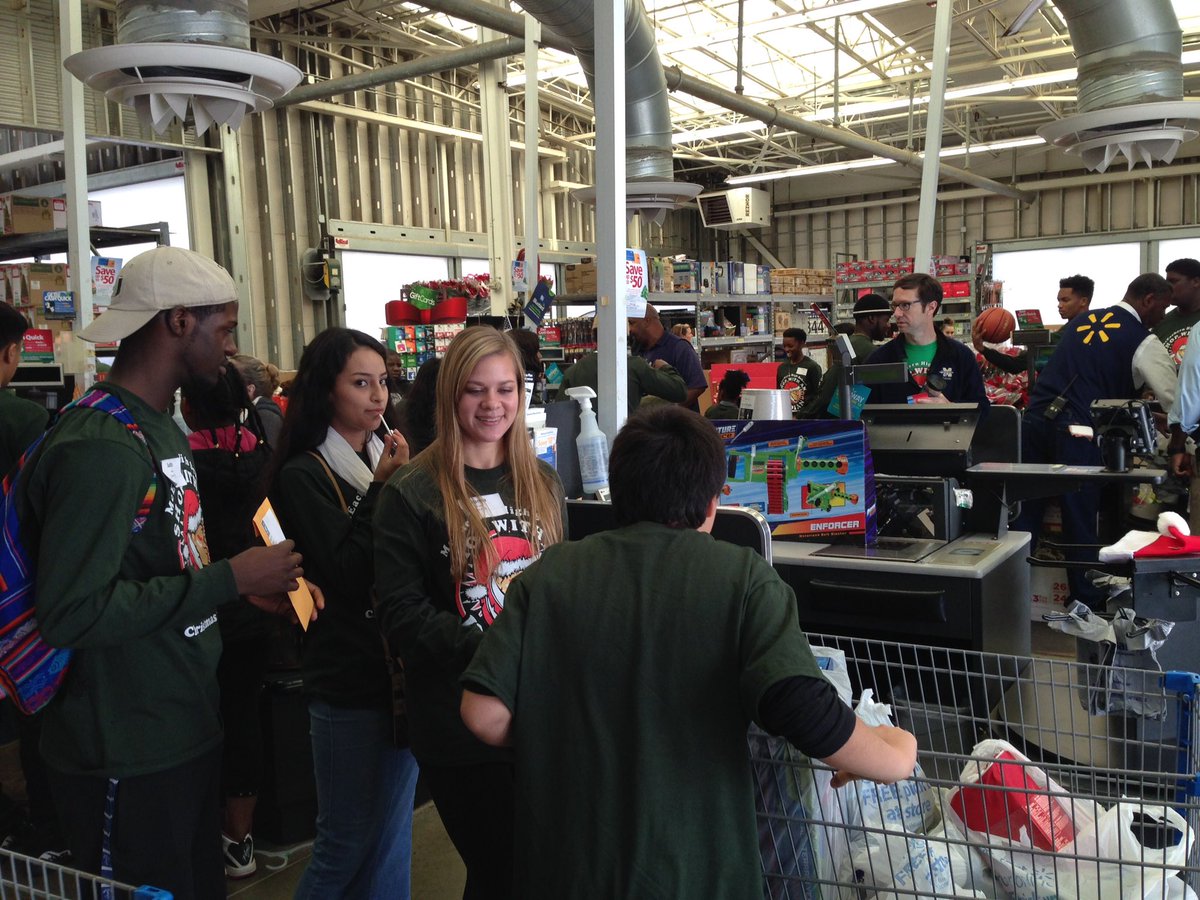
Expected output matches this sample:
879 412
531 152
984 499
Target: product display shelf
799 307
46 243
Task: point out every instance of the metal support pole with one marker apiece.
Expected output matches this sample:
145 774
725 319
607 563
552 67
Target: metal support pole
497 177
77 357
926 209
533 34
609 100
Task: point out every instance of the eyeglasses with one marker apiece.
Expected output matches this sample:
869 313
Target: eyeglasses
903 306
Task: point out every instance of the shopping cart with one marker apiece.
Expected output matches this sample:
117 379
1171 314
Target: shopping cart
29 878
1078 805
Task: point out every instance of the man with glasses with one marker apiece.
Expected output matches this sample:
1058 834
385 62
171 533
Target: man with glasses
940 369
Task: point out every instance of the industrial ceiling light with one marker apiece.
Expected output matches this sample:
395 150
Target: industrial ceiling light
1130 85
172 60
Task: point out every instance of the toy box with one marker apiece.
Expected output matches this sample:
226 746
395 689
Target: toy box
808 478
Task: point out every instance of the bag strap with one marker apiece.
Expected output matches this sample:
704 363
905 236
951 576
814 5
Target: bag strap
336 487
111 404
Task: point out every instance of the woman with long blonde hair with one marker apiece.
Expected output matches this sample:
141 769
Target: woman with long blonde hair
452 529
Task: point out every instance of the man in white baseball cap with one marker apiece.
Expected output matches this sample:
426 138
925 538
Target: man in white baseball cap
110 511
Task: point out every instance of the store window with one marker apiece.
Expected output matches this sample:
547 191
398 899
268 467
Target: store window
369 280
1169 251
1031 276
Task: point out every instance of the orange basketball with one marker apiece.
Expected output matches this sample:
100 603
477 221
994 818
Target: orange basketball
995 325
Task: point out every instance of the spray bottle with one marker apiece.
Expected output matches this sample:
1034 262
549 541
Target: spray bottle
591 444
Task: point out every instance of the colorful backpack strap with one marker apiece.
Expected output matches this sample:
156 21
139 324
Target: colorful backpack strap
110 403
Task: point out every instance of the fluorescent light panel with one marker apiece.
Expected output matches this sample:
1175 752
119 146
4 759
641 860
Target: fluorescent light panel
873 161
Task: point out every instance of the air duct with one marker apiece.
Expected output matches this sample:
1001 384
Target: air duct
173 58
651 188
1129 86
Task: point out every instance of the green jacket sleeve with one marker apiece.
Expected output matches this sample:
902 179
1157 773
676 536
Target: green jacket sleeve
818 404
83 597
497 665
664 382
337 548
412 577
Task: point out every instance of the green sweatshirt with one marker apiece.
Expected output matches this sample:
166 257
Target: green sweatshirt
21 421
343 654
139 610
433 623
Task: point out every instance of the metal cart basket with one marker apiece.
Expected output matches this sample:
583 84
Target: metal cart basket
1019 791
28 878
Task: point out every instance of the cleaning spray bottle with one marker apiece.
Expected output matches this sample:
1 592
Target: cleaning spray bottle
591 444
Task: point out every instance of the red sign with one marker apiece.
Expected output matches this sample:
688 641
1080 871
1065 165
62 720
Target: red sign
38 345
762 375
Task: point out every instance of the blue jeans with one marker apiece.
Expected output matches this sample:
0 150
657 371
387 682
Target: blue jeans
365 791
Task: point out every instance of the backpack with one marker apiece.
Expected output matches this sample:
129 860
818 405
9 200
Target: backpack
31 671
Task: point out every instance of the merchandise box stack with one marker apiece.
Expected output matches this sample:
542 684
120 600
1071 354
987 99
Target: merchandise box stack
20 214
859 270
949 266
802 281
807 478
581 277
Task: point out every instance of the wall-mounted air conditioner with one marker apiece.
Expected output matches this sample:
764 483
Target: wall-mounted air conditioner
735 208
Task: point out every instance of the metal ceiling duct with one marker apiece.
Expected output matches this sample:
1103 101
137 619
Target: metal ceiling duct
651 188
1129 84
180 58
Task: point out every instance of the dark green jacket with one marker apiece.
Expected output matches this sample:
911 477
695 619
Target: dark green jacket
139 610
21 421
432 622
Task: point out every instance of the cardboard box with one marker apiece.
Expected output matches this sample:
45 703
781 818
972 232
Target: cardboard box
38 278
1007 802
31 215
581 277
808 478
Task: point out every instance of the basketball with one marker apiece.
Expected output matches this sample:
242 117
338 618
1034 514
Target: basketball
995 325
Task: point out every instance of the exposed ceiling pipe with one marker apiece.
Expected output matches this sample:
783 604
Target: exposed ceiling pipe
413 68
510 23
1129 86
772 116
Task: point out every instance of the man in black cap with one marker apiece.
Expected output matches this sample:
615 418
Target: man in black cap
871 314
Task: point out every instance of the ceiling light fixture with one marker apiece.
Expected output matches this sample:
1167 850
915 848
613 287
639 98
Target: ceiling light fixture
871 162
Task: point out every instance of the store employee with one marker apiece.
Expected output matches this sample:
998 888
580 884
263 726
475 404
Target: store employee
658 343
940 369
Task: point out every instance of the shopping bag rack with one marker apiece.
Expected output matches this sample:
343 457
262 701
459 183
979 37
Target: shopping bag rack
29 878
1125 788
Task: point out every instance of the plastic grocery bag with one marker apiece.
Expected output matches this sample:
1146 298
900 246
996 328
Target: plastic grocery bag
1030 833
1123 673
1141 846
799 817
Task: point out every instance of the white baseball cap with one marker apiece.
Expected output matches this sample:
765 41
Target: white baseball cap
156 280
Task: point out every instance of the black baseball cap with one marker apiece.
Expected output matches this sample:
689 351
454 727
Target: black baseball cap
870 304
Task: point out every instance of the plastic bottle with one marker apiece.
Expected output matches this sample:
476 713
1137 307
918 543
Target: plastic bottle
591 444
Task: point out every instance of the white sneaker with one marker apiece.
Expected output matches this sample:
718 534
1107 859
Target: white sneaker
239 856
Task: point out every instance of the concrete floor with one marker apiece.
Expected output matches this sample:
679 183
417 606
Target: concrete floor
437 873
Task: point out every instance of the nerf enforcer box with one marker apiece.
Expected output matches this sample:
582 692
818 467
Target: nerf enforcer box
808 478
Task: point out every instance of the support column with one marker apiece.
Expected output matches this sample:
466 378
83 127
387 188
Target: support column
236 257
608 98
927 208
497 176
77 356
533 35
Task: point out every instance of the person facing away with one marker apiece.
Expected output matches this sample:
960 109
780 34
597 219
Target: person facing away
642 379
657 343
334 456
21 421
133 738
1074 297
630 745
916 299
798 374
1104 354
417 420
729 396
454 529
261 380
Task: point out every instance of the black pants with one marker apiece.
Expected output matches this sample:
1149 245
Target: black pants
476 805
240 676
166 827
46 833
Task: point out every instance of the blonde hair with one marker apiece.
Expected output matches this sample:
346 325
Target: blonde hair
681 329
533 490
